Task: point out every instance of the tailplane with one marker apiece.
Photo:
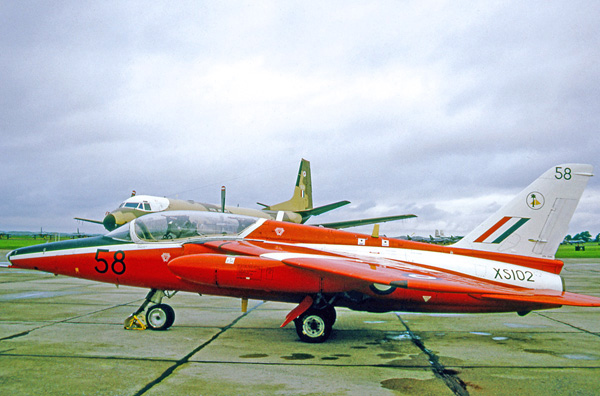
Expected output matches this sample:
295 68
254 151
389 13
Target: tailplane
536 221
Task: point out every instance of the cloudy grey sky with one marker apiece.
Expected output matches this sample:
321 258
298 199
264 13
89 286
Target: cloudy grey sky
444 109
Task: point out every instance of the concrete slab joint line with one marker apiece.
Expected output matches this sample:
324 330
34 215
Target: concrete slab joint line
452 381
187 357
567 324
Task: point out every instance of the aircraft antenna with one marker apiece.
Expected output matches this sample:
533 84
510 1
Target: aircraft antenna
222 199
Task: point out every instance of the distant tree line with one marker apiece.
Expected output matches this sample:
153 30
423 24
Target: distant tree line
583 236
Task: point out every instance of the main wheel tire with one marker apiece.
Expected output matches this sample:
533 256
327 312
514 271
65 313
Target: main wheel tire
330 314
314 325
160 317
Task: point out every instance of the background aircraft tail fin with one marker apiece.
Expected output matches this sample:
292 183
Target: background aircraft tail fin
536 221
302 197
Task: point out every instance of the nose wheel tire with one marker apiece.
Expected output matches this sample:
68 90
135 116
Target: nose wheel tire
160 317
314 325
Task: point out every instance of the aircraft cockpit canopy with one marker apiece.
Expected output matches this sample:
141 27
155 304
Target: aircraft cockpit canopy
174 225
145 203
144 206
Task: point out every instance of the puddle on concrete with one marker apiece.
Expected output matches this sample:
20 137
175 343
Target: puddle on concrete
389 355
254 356
483 333
572 356
408 360
17 271
580 357
520 326
411 385
298 356
399 336
374 321
29 295
336 356
538 351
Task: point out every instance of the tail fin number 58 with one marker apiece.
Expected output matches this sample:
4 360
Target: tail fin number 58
563 173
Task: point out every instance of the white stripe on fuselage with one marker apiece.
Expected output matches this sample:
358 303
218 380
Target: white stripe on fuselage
489 270
93 249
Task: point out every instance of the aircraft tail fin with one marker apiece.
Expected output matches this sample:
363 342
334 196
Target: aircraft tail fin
536 221
302 197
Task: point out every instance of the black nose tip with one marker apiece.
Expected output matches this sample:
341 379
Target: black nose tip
110 222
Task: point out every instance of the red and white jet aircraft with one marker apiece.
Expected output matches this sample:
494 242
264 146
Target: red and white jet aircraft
505 264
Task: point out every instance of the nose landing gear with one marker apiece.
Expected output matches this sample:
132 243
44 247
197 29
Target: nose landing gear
158 317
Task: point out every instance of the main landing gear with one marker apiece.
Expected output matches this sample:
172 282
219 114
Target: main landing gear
158 317
315 324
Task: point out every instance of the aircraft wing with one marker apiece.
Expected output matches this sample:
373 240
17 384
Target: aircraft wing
407 276
397 273
413 277
550 297
306 214
359 222
89 221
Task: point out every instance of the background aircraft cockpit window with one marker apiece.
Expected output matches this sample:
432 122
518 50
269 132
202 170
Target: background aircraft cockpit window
183 225
147 206
121 233
132 205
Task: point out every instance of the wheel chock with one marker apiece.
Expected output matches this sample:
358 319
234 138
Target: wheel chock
134 323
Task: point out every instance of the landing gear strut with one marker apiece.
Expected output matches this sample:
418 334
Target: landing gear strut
158 317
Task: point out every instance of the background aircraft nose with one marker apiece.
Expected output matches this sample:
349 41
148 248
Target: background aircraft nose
110 222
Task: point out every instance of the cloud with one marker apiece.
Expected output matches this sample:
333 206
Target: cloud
439 108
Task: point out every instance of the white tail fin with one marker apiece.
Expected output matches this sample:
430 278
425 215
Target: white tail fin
535 222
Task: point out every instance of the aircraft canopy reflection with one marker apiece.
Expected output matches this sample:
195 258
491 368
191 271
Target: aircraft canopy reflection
181 225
